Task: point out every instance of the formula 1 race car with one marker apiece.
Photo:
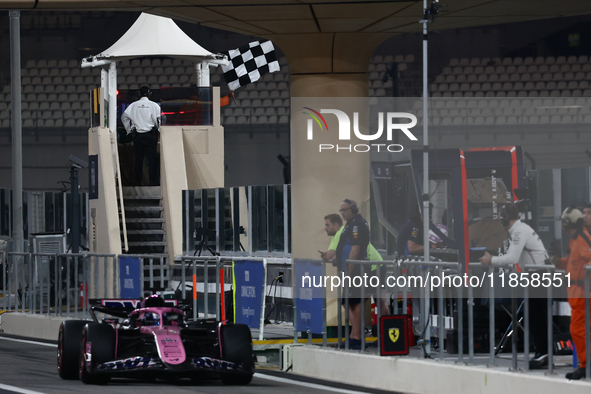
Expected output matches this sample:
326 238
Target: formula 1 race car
152 340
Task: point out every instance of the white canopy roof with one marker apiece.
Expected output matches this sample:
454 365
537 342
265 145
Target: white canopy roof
153 35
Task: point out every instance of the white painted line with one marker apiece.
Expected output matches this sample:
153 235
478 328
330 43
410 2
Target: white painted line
305 384
18 389
25 341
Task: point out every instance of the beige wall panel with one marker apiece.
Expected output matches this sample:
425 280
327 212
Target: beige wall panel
173 180
204 156
106 217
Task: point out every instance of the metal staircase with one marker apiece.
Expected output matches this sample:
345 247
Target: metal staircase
146 234
145 220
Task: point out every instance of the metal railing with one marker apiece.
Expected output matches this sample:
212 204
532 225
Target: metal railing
456 294
56 284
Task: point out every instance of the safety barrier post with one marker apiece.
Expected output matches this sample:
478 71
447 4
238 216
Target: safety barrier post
183 278
441 320
31 287
587 323
551 333
9 270
491 317
86 279
514 326
526 328
222 301
470 318
106 278
195 310
68 273
339 316
5 273
58 290
378 303
394 288
404 293
206 289
116 283
347 322
362 310
76 287
324 317
460 322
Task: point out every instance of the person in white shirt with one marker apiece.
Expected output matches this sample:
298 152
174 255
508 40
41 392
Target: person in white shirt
526 248
142 117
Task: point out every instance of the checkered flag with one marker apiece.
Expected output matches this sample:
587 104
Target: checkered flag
249 62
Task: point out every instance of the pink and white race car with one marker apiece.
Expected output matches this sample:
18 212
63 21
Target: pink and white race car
152 340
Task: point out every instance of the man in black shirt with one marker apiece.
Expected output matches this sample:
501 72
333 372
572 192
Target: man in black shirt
410 239
353 246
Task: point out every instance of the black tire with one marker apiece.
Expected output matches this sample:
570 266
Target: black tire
68 348
237 348
102 339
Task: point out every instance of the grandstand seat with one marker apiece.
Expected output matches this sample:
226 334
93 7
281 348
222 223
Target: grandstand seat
284 94
283 119
558 76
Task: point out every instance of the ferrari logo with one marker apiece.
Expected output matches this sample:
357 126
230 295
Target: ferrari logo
394 334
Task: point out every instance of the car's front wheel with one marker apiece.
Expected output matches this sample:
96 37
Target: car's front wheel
68 348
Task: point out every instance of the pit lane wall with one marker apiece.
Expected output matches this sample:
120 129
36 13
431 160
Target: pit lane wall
414 376
31 326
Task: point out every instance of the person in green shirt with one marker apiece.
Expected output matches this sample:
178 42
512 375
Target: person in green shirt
333 225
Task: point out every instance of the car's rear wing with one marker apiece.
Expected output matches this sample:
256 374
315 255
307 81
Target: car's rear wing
118 307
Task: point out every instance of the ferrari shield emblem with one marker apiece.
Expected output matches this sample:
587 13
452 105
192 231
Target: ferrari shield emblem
394 334
393 330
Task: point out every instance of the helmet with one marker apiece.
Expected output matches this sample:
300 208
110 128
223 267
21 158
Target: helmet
151 319
572 218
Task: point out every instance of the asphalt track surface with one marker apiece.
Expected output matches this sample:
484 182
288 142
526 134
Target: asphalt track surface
29 367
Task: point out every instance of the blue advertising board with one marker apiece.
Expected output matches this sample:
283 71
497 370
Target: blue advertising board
248 278
130 277
309 298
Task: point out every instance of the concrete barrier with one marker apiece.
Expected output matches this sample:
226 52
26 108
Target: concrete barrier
410 375
31 326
